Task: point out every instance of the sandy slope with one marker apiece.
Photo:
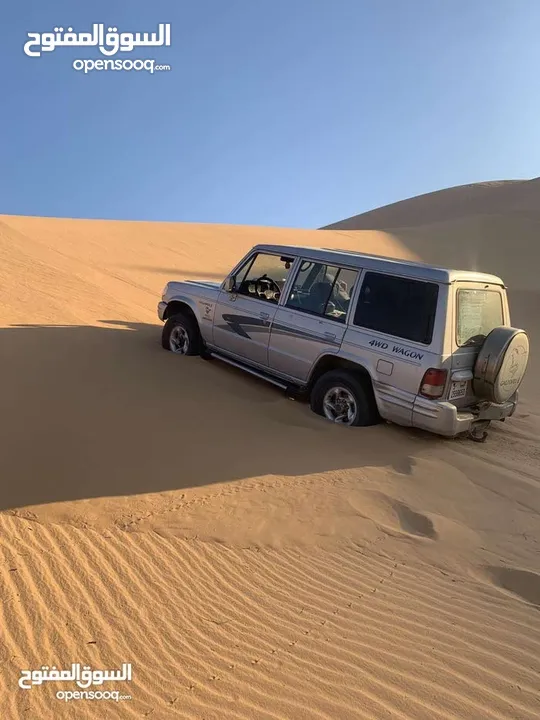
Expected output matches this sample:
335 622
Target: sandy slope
249 559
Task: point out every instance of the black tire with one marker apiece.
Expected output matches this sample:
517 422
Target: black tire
187 330
359 388
501 364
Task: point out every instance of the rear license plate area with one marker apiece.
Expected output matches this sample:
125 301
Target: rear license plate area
458 389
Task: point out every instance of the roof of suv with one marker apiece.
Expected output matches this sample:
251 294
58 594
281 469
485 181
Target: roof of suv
407 268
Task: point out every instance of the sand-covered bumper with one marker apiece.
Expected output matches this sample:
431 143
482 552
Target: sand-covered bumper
444 418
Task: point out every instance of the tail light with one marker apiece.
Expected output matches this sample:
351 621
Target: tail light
433 383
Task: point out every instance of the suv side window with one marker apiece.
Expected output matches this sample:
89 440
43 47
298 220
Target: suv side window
397 306
263 277
323 290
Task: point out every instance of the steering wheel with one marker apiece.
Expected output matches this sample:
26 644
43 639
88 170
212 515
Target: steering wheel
270 284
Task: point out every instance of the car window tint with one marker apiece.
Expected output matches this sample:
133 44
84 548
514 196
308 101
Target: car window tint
322 289
340 298
397 306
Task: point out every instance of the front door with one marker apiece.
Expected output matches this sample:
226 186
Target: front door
243 317
312 321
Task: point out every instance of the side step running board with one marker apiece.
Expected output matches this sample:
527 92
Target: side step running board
251 371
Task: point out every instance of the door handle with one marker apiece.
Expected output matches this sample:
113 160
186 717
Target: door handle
330 335
265 315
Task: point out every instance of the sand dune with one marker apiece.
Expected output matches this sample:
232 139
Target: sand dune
507 196
249 559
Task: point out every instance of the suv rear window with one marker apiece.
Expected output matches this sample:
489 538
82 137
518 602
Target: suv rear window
397 306
478 313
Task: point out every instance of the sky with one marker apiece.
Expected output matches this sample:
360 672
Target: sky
291 113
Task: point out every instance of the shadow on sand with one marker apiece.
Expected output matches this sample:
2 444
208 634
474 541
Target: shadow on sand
104 411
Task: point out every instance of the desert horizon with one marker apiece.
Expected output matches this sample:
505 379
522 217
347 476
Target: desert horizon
248 558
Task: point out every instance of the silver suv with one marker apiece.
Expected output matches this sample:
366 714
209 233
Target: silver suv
363 337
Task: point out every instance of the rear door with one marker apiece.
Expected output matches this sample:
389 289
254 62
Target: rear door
478 309
392 334
312 320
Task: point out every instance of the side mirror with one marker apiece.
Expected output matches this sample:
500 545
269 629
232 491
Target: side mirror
230 284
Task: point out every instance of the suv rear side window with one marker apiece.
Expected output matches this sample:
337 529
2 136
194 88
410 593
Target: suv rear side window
321 289
397 306
478 312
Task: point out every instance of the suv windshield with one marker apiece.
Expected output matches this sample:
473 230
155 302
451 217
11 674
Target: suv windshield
478 313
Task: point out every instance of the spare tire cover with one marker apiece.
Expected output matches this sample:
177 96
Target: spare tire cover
501 364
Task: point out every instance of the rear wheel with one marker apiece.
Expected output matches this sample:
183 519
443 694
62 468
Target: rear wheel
344 398
181 335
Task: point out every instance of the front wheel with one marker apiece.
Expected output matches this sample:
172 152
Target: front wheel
344 398
181 335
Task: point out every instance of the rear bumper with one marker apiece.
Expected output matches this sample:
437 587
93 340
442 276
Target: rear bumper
162 306
444 418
